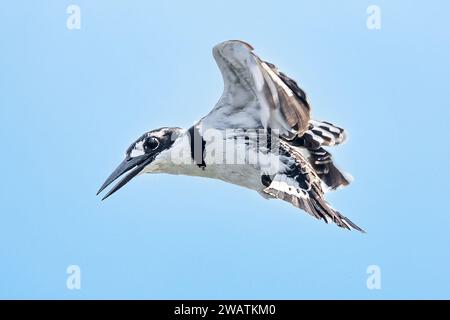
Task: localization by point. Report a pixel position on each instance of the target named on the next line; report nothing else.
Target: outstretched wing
(256, 94)
(300, 185)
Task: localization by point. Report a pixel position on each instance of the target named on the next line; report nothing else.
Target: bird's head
(140, 156)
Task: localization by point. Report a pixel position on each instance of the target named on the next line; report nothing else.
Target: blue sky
(71, 101)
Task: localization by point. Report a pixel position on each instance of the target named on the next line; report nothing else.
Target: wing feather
(256, 94)
(301, 186)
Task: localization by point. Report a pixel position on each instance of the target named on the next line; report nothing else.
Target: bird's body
(234, 168)
(259, 136)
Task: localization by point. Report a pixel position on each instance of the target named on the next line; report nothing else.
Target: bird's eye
(151, 143)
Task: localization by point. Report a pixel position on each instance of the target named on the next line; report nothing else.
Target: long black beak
(131, 165)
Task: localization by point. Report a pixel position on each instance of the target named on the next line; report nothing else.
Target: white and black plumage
(258, 101)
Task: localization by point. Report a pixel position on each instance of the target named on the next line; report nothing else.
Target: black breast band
(197, 147)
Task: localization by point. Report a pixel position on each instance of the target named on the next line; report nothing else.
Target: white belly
(243, 175)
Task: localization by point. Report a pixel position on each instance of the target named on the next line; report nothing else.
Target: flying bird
(260, 135)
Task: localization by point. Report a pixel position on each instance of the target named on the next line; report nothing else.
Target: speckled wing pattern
(301, 186)
(313, 136)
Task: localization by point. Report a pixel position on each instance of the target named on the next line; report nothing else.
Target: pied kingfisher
(260, 135)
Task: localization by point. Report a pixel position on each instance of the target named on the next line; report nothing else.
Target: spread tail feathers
(319, 135)
(323, 133)
(322, 162)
